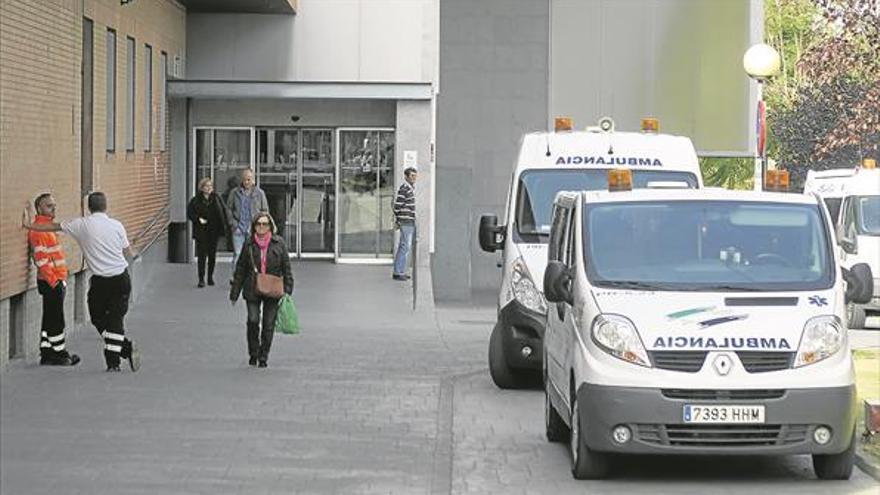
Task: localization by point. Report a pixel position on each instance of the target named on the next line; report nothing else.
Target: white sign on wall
(410, 158)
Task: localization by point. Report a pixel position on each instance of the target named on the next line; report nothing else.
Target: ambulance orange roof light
(776, 180)
(620, 179)
(563, 124)
(869, 163)
(650, 124)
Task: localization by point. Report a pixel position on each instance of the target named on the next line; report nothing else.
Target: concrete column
(414, 134)
(181, 181)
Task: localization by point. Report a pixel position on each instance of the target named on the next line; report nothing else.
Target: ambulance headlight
(823, 336)
(524, 290)
(617, 336)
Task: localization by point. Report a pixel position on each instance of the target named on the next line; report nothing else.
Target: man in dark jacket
(245, 203)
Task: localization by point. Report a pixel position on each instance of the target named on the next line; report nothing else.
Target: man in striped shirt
(405, 214)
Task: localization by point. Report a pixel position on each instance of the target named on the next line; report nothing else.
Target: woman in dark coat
(207, 213)
(266, 252)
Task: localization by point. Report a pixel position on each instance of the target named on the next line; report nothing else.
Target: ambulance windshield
(707, 246)
(538, 188)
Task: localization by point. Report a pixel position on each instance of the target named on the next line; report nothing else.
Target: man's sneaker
(134, 357)
(111, 368)
(67, 360)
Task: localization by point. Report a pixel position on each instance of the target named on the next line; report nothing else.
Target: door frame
(336, 256)
(297, 251)
(223, 255)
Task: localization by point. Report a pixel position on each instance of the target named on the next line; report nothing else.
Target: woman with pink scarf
(265, 252)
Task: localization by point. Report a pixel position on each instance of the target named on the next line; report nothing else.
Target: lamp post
(761, 62)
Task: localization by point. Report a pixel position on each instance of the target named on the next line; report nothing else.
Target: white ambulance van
(548, 163)
(853, 198)
(698, 322)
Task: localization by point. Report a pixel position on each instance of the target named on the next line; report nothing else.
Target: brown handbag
(267, 285)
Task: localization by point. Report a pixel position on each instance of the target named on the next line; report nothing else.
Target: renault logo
(722, 364)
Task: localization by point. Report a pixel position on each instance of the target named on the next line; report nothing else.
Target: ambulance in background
(853, 200)
(549, 162)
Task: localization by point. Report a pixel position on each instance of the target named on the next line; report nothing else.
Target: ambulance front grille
(724, 395)
(685, 361)
(692, 361)
(732, 436)
(761, 362)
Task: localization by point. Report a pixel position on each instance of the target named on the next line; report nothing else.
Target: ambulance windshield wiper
(726, 287)
(632, 284)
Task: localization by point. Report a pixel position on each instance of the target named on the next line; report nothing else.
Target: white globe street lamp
(761, 62)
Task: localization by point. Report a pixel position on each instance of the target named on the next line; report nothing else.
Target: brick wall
(40, 112)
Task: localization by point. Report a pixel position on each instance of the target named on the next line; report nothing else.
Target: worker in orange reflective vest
(51, 284)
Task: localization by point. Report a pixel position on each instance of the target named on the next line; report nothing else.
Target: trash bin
(177, 243)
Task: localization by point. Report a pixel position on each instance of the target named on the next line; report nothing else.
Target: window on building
(163, 77)
(148, 97)
(111, 90)
(129, 94)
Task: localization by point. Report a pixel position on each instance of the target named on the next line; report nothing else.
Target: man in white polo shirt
(105, 246)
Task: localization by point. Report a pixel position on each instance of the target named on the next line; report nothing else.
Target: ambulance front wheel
(835, 466)
(502, 374)
(586, 464)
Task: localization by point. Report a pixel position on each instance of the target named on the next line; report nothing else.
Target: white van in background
(698, 322)
(549, 162)
(853, 200)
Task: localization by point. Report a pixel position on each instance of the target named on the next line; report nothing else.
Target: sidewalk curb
(866, 465)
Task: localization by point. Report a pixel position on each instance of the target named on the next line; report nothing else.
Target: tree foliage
(729, 173)
(824, 108)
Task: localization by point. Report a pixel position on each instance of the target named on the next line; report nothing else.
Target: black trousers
(108, 303)
(259, 342)
(52, 339)
(206, 250)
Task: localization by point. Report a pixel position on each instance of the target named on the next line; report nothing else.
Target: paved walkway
(360, 402)
(372, 398)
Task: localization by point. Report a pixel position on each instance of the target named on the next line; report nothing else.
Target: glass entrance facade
(314, 180)
(366, 193)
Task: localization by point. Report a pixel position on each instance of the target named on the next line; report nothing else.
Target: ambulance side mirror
(859, 284)
(557, 283)
(491, 235)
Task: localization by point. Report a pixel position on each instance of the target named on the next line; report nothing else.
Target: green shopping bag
(287, 320)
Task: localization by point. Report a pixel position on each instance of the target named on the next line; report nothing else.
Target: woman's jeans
(403, 248)
(259, 342)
